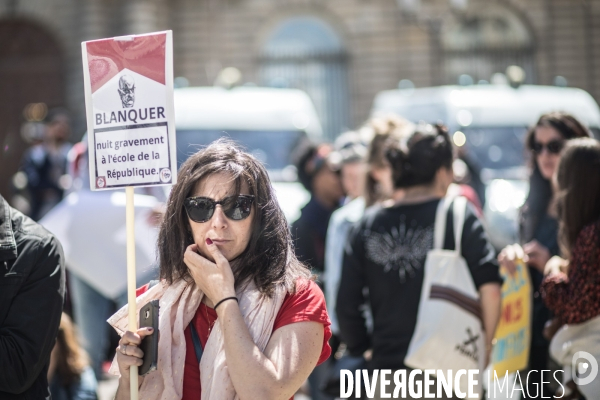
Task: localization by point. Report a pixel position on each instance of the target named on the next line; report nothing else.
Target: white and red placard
(129, 107)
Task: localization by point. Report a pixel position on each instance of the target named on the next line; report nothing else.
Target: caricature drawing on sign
(127, 91)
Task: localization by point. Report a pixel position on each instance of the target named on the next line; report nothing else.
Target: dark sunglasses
(553, 146)
(201, 209)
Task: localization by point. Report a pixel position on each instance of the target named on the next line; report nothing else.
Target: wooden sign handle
(131, 281)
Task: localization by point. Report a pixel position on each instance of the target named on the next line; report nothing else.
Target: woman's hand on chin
(215, 279)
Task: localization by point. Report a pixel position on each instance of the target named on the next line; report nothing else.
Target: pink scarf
(178, 305)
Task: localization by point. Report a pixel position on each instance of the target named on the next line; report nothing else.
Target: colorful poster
(513, 334)
(129, 107)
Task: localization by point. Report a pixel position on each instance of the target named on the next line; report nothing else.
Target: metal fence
(305, 53)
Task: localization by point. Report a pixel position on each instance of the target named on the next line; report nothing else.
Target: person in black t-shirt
(386, 253)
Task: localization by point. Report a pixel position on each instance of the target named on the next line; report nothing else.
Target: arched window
(306, 53)
(31, 71)
(485, 40)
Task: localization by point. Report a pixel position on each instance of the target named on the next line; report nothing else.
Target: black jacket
(32, 289)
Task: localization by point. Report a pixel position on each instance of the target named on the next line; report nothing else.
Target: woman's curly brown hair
(269, 259)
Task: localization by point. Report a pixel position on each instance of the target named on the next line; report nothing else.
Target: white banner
(129, 105)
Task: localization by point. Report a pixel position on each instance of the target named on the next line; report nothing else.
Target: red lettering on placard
(512, 312)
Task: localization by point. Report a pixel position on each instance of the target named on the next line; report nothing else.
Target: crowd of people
(254, 306)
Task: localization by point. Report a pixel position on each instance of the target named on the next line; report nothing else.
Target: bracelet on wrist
(225, 299)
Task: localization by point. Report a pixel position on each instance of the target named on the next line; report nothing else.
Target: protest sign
(511, 351)
(128, 83)
(129, 106)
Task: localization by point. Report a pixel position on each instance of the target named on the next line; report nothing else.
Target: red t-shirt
(307, 304)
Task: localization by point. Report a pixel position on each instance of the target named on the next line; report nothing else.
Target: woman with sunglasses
(239, 314)
(571, 288)
(538, 225)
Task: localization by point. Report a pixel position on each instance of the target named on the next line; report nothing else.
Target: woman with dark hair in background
(69, 371)
(388, 247)
(538, 222)
(231, 284)
(571, 289)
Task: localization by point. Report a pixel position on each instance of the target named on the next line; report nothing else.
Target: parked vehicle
(267, 122)
(489, 122)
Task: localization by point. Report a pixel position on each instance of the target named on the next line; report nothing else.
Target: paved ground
(107, 389)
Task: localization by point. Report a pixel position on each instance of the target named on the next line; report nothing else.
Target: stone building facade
(342, 52)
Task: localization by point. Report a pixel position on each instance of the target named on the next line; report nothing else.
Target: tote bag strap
(459, 210)
(440, 222)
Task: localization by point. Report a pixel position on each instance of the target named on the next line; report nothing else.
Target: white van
(493, 120)
(267, 122)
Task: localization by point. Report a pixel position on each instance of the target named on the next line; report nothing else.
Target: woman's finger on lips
(216, 253)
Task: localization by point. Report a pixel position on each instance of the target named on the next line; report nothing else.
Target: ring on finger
(123, 349)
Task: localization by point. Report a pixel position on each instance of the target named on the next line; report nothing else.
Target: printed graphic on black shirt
(402, 249)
